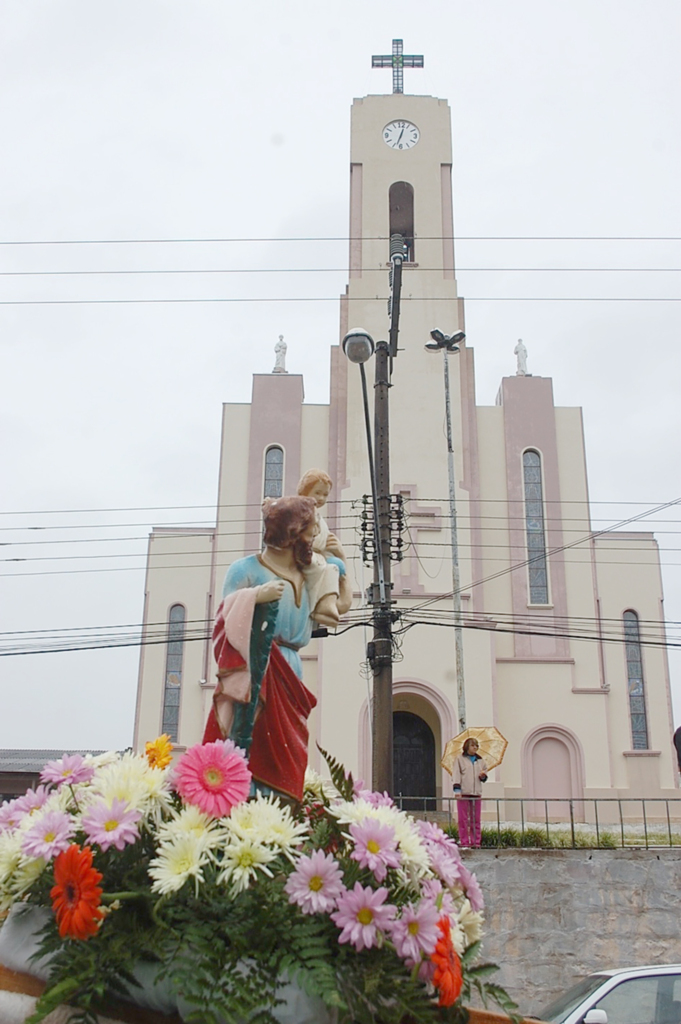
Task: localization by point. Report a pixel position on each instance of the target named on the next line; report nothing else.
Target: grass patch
(536, 838)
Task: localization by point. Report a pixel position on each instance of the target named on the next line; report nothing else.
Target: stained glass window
(173, 680)
(274, 473)
(534, 529)
(635, 685)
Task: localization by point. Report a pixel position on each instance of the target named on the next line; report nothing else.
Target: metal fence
(606, 823)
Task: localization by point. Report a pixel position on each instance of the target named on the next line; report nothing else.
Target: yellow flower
(159, 752)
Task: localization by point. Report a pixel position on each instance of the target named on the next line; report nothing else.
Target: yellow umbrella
(492, 746)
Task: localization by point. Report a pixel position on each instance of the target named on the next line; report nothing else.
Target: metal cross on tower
(397, 60)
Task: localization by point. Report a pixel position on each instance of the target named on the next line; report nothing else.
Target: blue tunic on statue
(293, 624)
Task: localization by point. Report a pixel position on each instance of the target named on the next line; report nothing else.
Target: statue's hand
(270, 592)
(334, 547)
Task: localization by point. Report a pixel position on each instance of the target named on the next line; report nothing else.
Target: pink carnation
(68, 770)
(361, 913)
(316, 883)
(375, 847)
(213, 776)
(113, 824)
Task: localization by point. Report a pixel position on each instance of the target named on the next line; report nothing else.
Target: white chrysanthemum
(241, 860)
(10, 855)
(191, 819)
(99, 760)
(318, 787)
(458, 937)
(61, 799)
(131, 779)
(266, 820)
(471, 921)
(28, 870)
(177, 861)
(349, 811)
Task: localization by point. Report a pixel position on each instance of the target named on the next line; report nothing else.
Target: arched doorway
(552, 767)
(414, 761)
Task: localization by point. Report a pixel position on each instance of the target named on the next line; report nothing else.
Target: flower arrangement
(226, 896)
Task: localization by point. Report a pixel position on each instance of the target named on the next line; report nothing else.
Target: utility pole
(380, 655)
(456, 577)
(359, 346)
(449, 344)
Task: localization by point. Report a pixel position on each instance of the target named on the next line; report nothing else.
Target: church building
(556, 618)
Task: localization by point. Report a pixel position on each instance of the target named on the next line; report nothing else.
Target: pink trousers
(468, 808)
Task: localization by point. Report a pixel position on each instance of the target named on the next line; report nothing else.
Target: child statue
(325, 577)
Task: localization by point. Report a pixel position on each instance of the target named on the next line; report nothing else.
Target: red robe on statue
(278, 752)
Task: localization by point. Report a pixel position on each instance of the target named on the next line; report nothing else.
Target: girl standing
(470, 771)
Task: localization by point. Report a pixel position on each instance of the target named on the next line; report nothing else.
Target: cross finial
(397, 60)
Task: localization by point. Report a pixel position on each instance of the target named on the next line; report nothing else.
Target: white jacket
(466, 775)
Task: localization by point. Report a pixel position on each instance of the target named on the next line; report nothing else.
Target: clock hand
(400, 136)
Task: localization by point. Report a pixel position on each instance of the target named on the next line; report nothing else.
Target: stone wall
(553, 916)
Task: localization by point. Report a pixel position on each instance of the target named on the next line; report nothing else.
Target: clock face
(401, 135)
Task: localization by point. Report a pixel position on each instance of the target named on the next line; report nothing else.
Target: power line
(555, 551)
(258, 504)
(335, 298)
(343, 238)
(339, 270)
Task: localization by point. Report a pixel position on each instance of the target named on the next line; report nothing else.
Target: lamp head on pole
(448, 341)
(358, 345)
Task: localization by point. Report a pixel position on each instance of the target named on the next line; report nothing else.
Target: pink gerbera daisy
(447, 866)
(213, 776)
(375, 847)
(471, 888)
(32, 799)
(111, 824)
(415, 932)
(68, 770)
(10, 815)
(441, 897)
(363, 916)
(316, 883)
(51, 834)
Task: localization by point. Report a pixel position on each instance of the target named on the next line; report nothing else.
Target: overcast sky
(169, 119)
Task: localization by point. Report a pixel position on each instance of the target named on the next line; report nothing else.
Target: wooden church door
(413, 761)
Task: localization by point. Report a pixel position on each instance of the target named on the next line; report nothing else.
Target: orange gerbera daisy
(76, 896)
(448, 979)
(159, 751)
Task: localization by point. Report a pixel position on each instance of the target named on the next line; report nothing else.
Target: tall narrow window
(402, 214)
(274, 473)
(635, 685)
(534, 529)
(173, 681)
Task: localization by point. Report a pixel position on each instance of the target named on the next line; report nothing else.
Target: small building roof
(34, 760)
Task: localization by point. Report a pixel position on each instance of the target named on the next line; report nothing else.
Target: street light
(358, 346)
(450, 343)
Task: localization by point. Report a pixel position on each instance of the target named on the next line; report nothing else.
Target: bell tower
(401, 182)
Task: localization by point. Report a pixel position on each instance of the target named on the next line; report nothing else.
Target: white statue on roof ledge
(280, 354)
(521, 353)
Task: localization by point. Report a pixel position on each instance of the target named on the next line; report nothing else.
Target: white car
(635, 995)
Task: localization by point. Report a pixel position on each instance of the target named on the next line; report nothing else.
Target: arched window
(274, 473)
(401, 197)
(173, 679)
(534, 528)
(635, 684)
